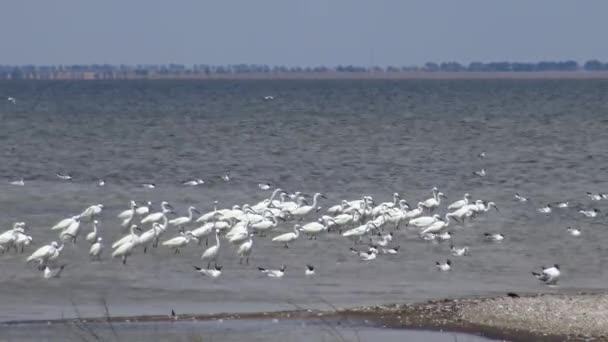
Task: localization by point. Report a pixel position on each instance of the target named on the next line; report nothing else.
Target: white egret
(288, 237)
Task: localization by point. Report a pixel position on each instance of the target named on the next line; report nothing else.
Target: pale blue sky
(306, 33)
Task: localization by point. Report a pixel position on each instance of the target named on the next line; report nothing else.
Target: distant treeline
(107, 71)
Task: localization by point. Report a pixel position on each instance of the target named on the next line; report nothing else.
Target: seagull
(226, 178)
(573, 231)
(366, 256)
(310, 270)
(481, 173)
(391, 251)
(101, 183)
(595, 197)
(521, 198)
(444, 266)
(444, 236)
(548, 275)
(482, 155)
(268, 98)
(52, 272)
(194, 182)
(589, 213)
(545, 210)
(149, 185)
(273, 273)
(494, 237)
(19, 182)
(562, 204)
(459, 251)
(264, 186)
(64, 177)
(12, 100)
(213, 273)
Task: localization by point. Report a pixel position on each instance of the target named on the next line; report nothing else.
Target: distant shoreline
(406, 75)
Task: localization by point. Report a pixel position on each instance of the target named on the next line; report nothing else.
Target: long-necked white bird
(155, 217)
(148, 236)
(210, 216)
(63, 224)
(313, 229)
(184, 220)
(434, 201)
(96, 249)
(244, 249)
(424, 221)
(211, 273)
(54, 272)
(461, 203)
(22, 240)
(338, 208)
(179, 241)
(127, 238)
(288, 237)
(91, 212)
(72, 231)
(273, 273)
(359, 231)
(414, 212)
(269, 222)
(377, 210)
(436, 226)
(548, 275)
(301, 211)
(211, 253)
(125, 250)
(92, 236)
(45, 253)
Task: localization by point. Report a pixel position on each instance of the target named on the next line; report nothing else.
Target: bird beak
(169, 206)
(196, 211)
(323, 196)
(495, 207)
(137, 228)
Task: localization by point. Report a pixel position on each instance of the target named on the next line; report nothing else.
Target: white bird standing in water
(155, 217)
(45, 253)
(184, 220)
(211, 253)
(91, 212)
(179, 241)
(288, 237)
(96, 249)
(244, 250)
(304, 210)
(65, 223)
(459, 204)
(92, 236)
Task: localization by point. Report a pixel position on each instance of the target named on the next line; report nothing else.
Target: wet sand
(576, 316)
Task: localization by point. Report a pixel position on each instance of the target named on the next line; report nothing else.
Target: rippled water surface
(545, 139)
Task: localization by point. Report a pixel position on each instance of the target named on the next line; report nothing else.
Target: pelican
(306, 209)
(96, 249)
(45, 253)
(444, 266)
(273, 273)
(310, 270)
(212, 273)
(211, 253)
(288, 237)
(91, 212)
(244, 250)
(92, 236)
(461, 203)
(179, 241)
(184, 220)
(52, 272)
(19, 182)
(548, 275)
(154, 217)
(131, 237)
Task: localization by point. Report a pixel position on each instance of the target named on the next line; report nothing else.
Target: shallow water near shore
(225, 330)
(544, 139)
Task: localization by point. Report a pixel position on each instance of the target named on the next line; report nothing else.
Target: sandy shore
(580, 316)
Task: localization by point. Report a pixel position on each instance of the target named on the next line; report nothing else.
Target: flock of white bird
(363, 221)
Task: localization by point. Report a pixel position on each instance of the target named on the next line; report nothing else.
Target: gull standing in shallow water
(548, 275)
(310, 270)
(444, 266)
(273, 273)
(521, 198)
(212, 273)
(573, 231)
